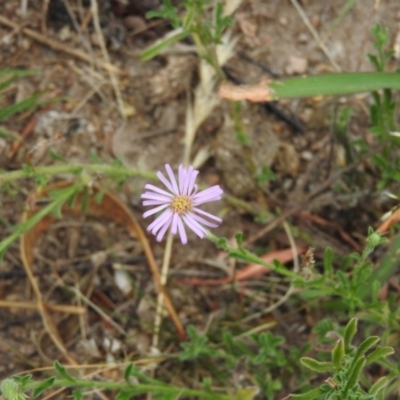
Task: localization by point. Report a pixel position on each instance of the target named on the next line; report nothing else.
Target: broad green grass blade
(333, 84)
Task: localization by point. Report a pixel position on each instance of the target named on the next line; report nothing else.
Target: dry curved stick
(27, 245)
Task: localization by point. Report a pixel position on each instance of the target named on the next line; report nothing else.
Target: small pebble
(307, 155)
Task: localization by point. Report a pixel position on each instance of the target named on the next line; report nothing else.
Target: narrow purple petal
(182, 232)
(154, 210)
(155, 226)
(195, 226)
(163, 230)
(172, 178)
(187, 180)
(155, 196)
(153, 202)
(198, 232)
(191, 182)
(158, 190)
(202, 220)
(211, 194)
(206, 214)
(174, 227)
(182, 177)
(164, 180)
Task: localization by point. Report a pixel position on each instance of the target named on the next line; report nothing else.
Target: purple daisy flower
(179, 204)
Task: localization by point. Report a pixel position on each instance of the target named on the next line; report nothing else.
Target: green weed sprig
(383, 112)
(346, 369)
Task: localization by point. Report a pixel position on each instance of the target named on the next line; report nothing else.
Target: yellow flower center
(181, 204)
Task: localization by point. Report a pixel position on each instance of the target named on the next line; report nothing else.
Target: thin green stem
(138, 388)
(245, 255)
(51, 170)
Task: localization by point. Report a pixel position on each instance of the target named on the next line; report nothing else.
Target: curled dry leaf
(256, 93)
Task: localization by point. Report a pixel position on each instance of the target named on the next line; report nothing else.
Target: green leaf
(333, 84)
(77, 394)
(328, 257)
(318, 366)
(157, 47)
(129, 371)
(343, 280)
(62, 371)
(23, 380)
(366, 345)
(239, 239)
(377, 354)
(349, 332)
(246, 393)
(379, 385)
(125, 395)
(312, 394)
(338, 354)
(196, 347)
(30, 102)
(355, 372)
(48, 383)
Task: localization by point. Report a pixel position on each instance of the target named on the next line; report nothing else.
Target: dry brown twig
(57, 46)
(315, 34)
(124, 109)
(64, 308)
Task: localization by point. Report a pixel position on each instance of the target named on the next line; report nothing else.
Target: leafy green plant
(136, 383)
(349, 288)
(262, 356)
(346, 368)
(196, 346)
(383, 112)
(190, 22)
